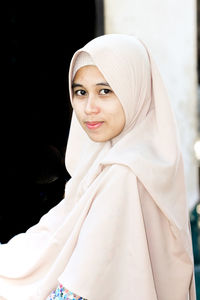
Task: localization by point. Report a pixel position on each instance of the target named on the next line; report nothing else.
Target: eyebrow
(103, 83)
(74, 84)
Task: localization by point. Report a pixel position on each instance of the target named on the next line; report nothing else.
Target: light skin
(96, 106)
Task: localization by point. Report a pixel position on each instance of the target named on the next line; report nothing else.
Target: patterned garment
(62, 293)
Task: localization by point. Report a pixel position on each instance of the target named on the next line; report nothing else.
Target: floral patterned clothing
(61, 293)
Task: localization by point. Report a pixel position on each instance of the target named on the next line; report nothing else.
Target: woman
(121, 231)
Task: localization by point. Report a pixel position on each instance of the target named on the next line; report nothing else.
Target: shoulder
(117, 175)
(118, 169)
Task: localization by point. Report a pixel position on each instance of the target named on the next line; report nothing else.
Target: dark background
(40, 40)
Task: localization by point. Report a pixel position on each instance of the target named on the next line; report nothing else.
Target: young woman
(121, 232)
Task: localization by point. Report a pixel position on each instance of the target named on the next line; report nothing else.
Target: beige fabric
(122, 230)
(82, 60)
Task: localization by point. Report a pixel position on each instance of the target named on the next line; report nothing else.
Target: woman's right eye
(80, 92)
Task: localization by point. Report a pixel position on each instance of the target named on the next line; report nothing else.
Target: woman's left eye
(104, 91)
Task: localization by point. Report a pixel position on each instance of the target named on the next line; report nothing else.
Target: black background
(40, 40)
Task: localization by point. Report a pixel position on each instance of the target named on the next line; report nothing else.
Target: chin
(98, 139)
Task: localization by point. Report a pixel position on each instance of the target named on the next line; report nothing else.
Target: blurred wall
(169, 29)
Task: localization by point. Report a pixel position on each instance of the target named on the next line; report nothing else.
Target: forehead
(88, 74)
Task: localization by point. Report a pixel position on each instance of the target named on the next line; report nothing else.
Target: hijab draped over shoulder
(122, 229)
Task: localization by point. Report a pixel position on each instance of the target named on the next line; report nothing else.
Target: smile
(93, 125)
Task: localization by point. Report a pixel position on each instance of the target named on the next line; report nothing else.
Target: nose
(91, 106)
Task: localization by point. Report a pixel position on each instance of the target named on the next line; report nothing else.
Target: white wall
(169, 29)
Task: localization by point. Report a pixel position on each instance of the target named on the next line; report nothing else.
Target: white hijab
(147, 150)
(149, 140)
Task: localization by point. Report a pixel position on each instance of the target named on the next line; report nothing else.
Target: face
(96, 106)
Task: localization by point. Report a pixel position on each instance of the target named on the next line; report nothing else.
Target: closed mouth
(94, 124)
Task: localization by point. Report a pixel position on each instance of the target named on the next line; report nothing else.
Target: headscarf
(74, 243)
(150, 138)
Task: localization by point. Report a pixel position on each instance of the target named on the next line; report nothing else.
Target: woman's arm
(62, 293)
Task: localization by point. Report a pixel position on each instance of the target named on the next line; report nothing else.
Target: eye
(105, 92)
(80, 92)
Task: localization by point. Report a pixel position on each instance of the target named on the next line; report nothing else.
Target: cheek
(119, 116)
(121, 123)
(78, 113)
(77, 107)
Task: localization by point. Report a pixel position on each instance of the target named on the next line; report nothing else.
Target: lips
(93, 125)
